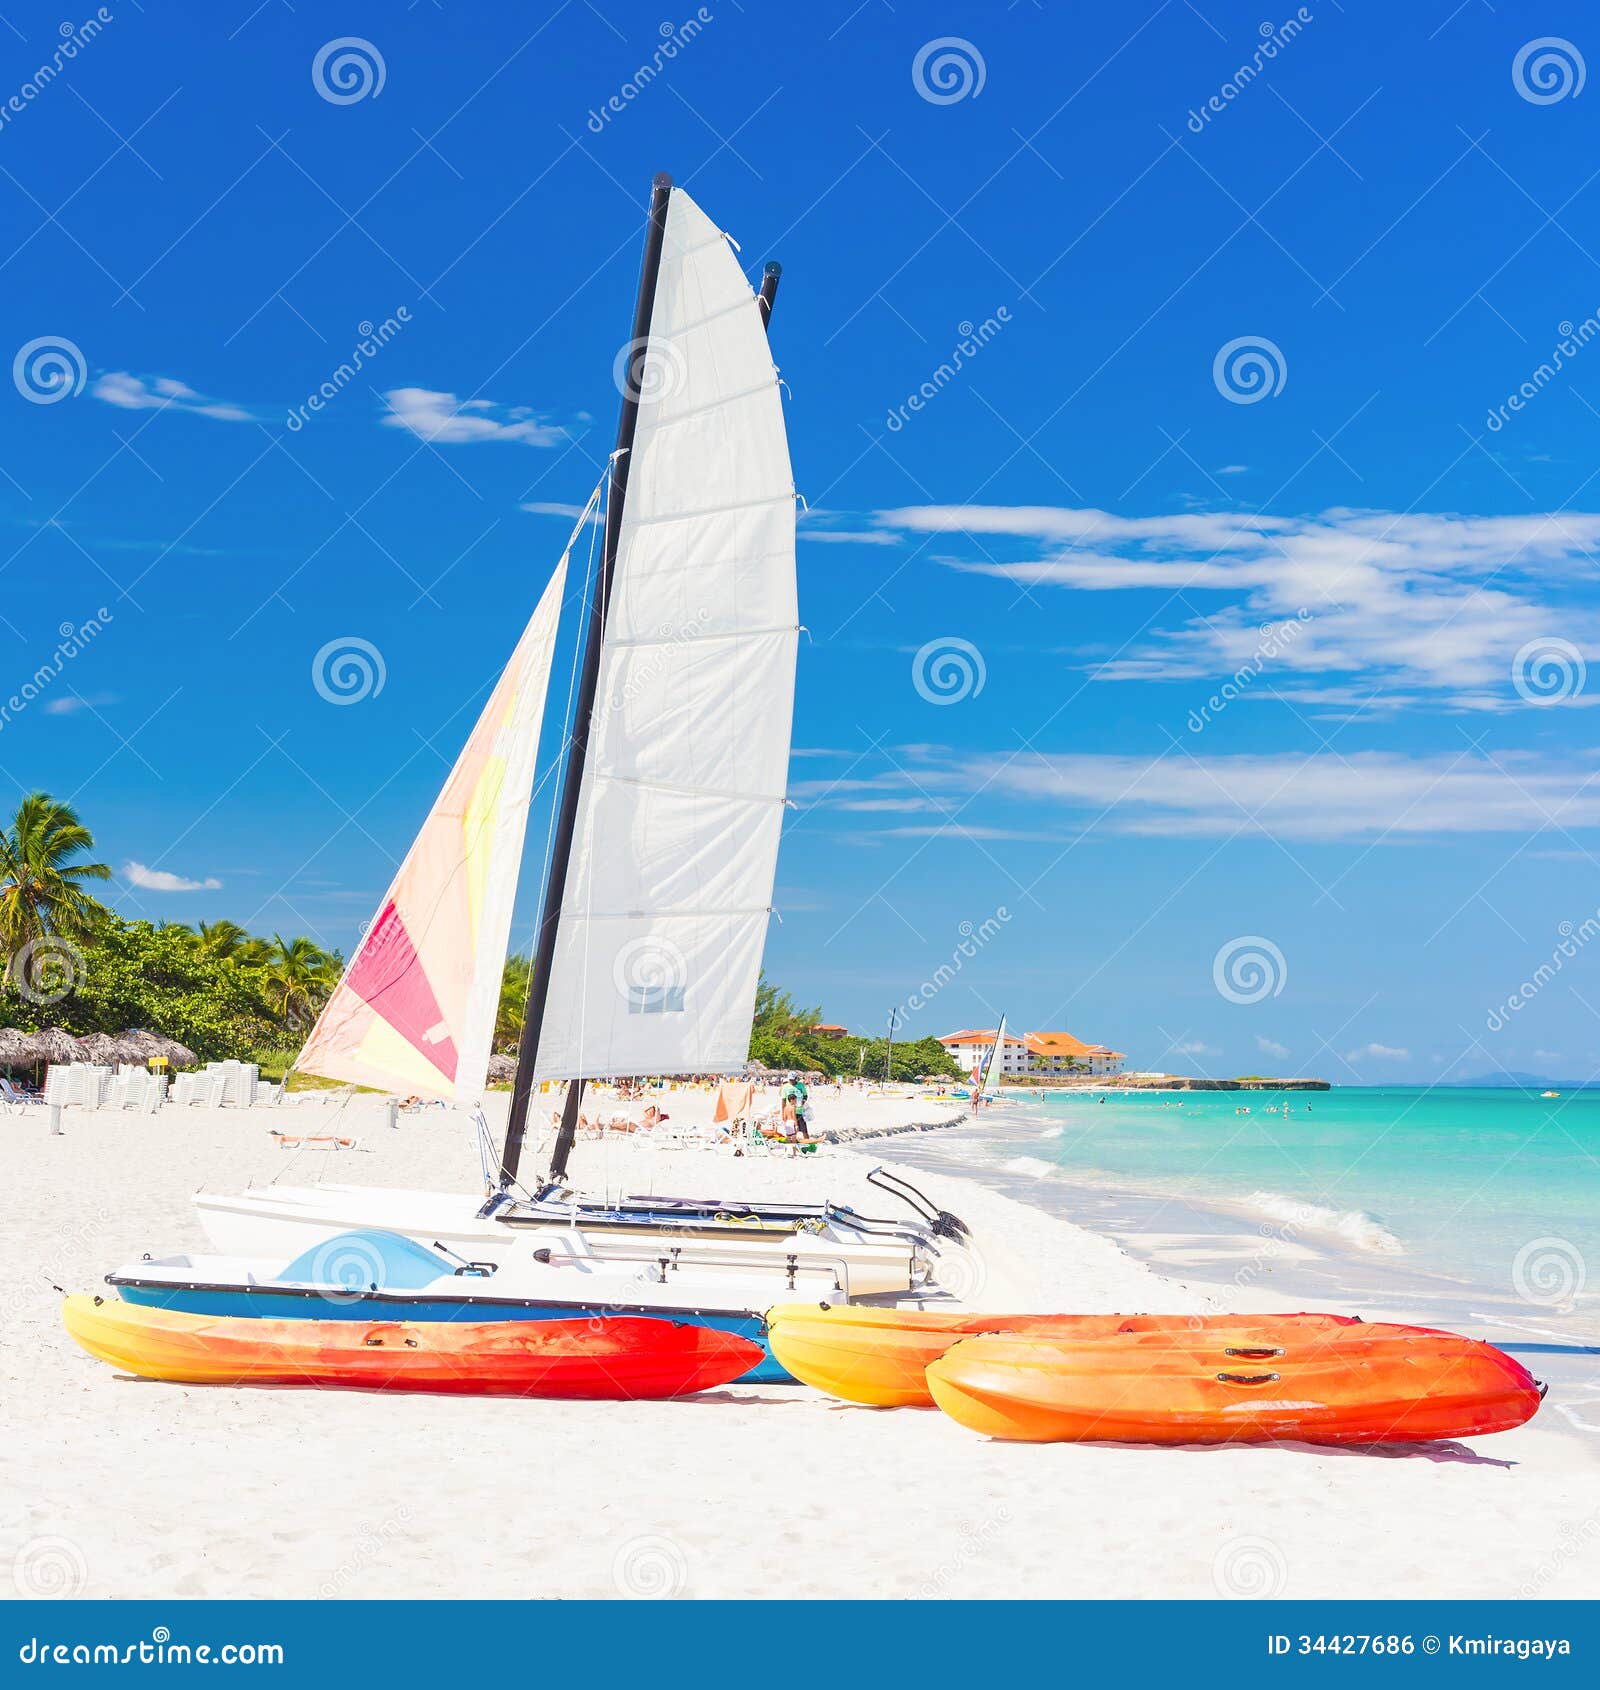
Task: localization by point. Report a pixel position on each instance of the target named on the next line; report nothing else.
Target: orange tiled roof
(977, 1036)
(1064, 1044)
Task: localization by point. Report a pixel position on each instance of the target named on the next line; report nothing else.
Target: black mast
(769, 290)
(578, 748)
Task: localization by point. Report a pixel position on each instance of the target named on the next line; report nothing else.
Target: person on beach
(796, 1095)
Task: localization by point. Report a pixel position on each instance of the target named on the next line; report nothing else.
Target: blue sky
(1233, 411)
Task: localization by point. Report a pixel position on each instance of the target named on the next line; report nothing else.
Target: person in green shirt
(797, 1094)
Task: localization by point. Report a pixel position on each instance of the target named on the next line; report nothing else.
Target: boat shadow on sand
(1445, 1450)
(723, 1398)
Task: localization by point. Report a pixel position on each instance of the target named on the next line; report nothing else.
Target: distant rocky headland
(1180, 1082)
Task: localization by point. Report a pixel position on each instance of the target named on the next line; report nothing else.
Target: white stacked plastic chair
(81, 1083)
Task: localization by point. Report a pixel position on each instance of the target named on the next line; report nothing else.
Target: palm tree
(42, 895)
(300, 974)
(222, 941)
(514, 985)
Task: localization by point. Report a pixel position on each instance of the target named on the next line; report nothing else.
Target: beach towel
(733, 1101)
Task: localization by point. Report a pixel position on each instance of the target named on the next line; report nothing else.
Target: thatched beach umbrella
(502, 1067)
(15, 1045)
(102, 1048)
(56, 1044)
(138, 1044)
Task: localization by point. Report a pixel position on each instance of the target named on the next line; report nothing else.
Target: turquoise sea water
(1478, 1209)
(1458, 1180)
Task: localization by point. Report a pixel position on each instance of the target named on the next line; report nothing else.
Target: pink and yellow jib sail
(416, 1008)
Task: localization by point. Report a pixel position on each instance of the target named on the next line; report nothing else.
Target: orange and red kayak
(880, 1356)
(1355, 1384)
(619, 1357)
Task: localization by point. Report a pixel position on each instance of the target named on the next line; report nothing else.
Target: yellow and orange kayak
(1339, 1385)
(620, 1357)
(880, 1356)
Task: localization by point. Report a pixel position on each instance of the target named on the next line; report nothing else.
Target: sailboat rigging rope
(593, 509)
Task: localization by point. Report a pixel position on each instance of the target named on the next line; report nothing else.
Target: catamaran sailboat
(664, 851)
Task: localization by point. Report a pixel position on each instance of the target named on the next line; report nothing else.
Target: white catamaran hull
(282, 1221)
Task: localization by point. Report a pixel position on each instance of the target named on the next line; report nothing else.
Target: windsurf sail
(415, 1010)
(664, 908)
(985, 1080)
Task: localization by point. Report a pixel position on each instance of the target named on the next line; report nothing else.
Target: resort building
(1060, 1053)
(1034, 1054)
(972, 1046)
(830, 1030)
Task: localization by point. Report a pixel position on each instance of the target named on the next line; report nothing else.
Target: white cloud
(1196, 1047)
(1368, 796)
(442, 418)
(850, 536)
(1548, 1055)
(1234, 469)
(1437, 606)
(1324, 796)
(570, 512)
(1378, 1053)
(160, 880)
(161, 393)
(1270, 1047)
(69, 704)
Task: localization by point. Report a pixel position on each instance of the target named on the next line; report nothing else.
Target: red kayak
(624, 1357)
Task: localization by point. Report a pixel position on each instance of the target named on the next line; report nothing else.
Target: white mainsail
(416, 1008)
(665, 907)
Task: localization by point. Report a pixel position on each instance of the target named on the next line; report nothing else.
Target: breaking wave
(1348, 1226)
(1031, 1166)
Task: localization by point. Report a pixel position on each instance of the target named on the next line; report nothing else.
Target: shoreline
(165, 1491)
(1291, 1252)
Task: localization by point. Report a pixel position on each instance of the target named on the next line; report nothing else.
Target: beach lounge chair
(15, 1099)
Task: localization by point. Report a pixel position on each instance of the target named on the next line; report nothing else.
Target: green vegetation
(781, 1037)
(44, 906)
(70, 962)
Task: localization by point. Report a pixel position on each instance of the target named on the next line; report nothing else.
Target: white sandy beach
(115, 1487)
